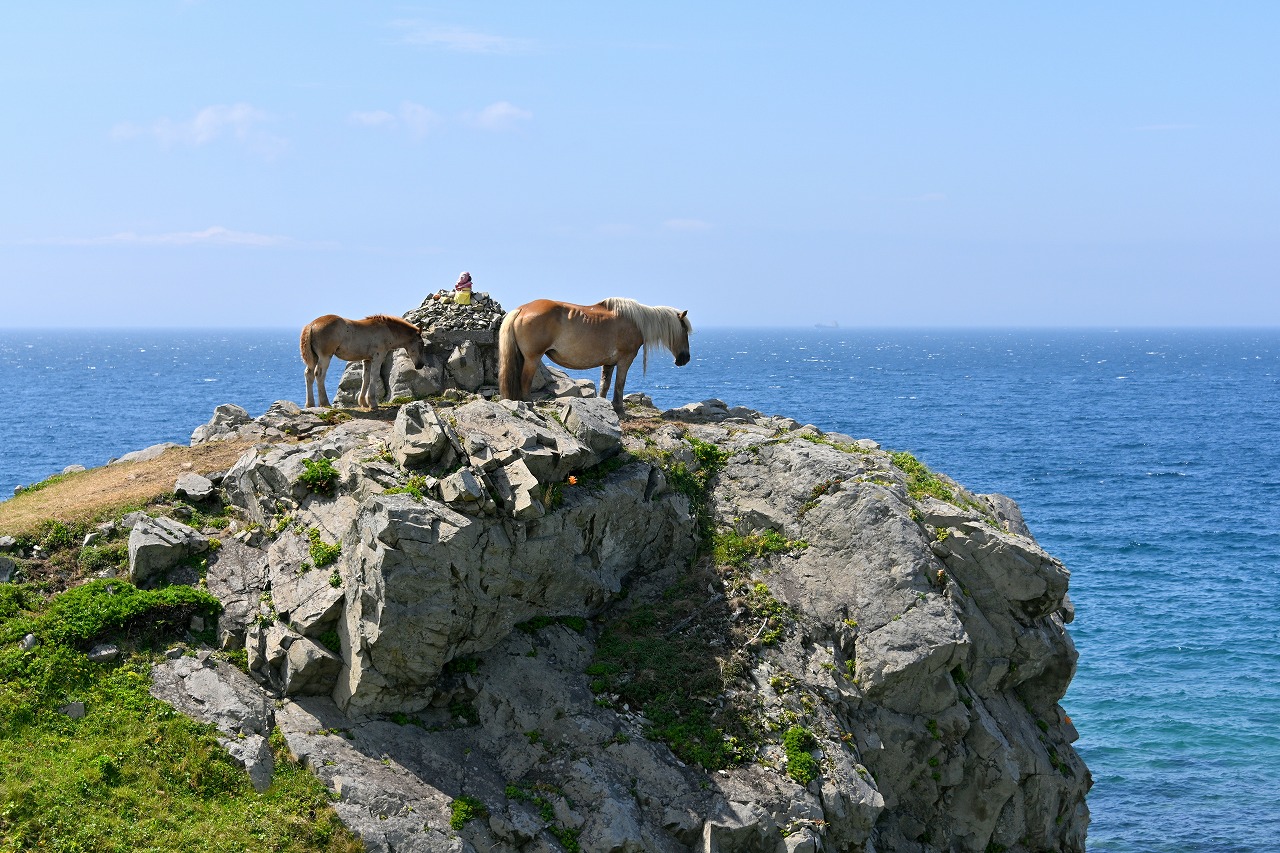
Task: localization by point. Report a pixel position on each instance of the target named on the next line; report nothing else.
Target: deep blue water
(1148, 461)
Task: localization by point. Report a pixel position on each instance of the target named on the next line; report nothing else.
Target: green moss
(674, 681)
(417, 486)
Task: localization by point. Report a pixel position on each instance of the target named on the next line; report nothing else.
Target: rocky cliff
(532, 627)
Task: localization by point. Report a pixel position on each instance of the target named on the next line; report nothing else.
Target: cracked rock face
(919, 639)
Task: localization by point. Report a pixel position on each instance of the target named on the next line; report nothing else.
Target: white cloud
(687, 225)
(456, 39)
(213, 236)
(415, 118)
(418, 119)
(240, 122)
(375, 118)
(498, 116)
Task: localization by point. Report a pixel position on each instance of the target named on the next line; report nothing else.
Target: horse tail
(309, 356)
(510, 359)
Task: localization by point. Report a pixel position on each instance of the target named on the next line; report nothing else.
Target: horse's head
(417, 350)
(682, 352)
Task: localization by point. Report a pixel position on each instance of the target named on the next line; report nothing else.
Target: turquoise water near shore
(1147, 460)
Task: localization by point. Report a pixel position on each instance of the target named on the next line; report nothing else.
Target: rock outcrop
(425, 597)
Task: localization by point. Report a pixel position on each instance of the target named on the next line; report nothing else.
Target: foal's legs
(318, 373)
(366, 376)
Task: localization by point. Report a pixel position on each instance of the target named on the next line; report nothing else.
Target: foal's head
(416, 349)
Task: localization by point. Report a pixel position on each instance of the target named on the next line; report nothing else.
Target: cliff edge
(531, 627)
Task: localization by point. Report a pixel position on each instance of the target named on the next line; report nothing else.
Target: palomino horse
(369, 340)
(603, 335)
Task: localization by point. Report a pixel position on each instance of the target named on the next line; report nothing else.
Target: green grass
(416, 485)
(674, 680)
(920, 480)
(133, 774)
(730, 548)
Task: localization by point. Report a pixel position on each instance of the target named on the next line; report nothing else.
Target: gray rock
(73, 469)
(461, 487)
(7, 543)
(146, 454)
(466, 366)
(222, 695)
(74, 710)
(193, 487)
(418, 438)
(157, 544)
(7, 567)
(28, 642)
(924, 641)
(309, 669)
(225, 424)
(104, 653)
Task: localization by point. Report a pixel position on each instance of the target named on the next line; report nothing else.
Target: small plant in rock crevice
(322, 553)
(797, 743)
(465, 809)
(319, 476)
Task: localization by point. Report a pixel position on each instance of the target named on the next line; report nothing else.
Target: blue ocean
(1148, 461)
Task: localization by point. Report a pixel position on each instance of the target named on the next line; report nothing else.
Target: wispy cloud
(213, 236)
(421, 121)
(241, 123)
(457, 39)
(686, 225)
(498, 116)
(418, 120)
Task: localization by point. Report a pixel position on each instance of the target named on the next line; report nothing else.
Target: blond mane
(658, 324)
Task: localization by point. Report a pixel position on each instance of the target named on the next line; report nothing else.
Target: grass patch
(319, 476)
(417, 485)
(920, 480)
(673, 679)
(730, 548)
(538, 795)
(88, 496)
(133, 773)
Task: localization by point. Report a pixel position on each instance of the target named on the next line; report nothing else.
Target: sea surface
(1148, 461)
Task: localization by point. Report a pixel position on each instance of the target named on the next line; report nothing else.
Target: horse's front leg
(606, 376)
(624, 364)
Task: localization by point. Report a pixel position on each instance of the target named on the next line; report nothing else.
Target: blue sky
(928, 164)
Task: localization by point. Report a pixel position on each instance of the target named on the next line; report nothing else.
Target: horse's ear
(684, 314)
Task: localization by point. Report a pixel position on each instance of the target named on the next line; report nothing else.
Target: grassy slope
(132, 774)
